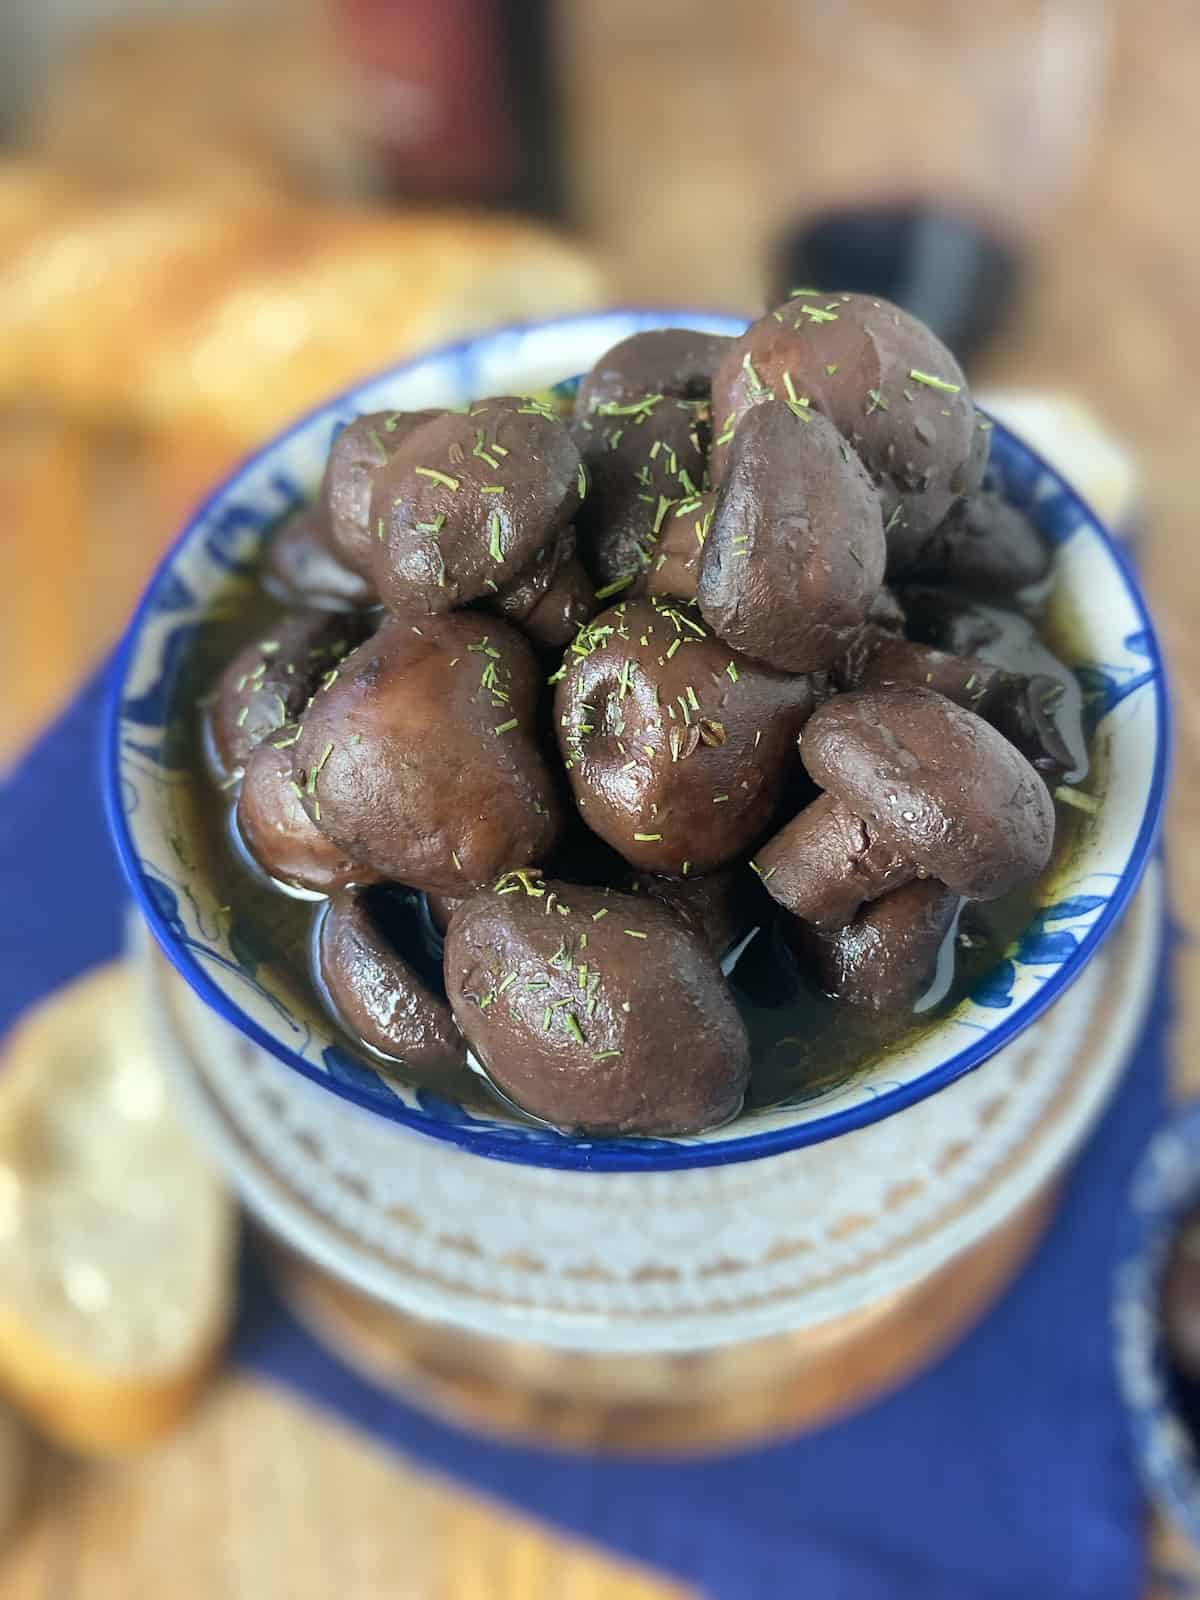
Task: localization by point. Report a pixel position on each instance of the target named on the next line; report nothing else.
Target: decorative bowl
(1116, 659)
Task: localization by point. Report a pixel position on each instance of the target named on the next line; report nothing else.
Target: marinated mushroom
(419, 756)
(886, 957)
(888, 385)
(300, 570)
(270, 679)
(597, 1011)
(1020, 705)
(378, 996)
(676, 748)
(468, 502)
(355, 456)
(279, 833)
(915, 786)
(676, 362)
(639, 462)
(794, 556)
(985, 546)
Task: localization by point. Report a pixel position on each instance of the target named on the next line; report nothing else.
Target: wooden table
(1114, 316)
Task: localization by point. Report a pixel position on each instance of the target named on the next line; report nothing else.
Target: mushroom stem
(824, 865)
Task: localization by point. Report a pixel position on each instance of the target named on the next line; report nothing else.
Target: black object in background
(940, 265)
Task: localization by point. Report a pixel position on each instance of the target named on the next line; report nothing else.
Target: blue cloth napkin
(1001, 1473)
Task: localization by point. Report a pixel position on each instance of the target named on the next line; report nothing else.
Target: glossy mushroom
(676, 748)
(888, 385)
(420, 756)
(269, 680)
(795, 554)
(597, 1011)
(279, 833)
(469, 501)
(986, 546)
(915, 786)
(360, 449)
(377, 994)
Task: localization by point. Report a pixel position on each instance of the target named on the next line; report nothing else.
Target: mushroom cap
(609, 1016)
(670, 361)
(884, 960)
(938, 782)
(468, 501)
(852, 357)
(356, 454)
(421, 759)
(677, 750)
(794, 555)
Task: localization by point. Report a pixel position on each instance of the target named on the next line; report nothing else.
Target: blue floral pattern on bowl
(1118, 666)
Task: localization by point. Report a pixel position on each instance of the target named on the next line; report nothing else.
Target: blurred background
(213, 214)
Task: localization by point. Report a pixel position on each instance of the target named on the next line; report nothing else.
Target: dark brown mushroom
(794, 556)
(885, 959)
(378, 996)
(270, 679)
(596, 1011)
(888, 385)
(420, 757)
(468, 502)
(677, 362)
(299, 569)
(915, 786)
(641, 459)
(677, 749)
(279, 833)
(1020, 705)
(986, 546)
(355, 456)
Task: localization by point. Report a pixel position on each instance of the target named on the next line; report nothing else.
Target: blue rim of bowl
(627, 1155)
(1169, 1467)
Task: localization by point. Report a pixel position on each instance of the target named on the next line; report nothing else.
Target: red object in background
(433, 92)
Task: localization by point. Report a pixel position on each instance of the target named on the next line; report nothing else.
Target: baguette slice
(116, 1236)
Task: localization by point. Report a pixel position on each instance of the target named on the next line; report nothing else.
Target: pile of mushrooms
(577, 678)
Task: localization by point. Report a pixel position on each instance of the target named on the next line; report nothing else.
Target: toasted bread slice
(116, 1236)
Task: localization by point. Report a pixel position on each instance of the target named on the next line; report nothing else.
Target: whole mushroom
(419, 757)
(597, 1011)
(888, 385)
(915, 786)
(269, 680)
(469, 501)
(676, 362)
(360, 449)
(677, 749)
(377, 994)
(985, 546)
(794, 556)
(279, 833)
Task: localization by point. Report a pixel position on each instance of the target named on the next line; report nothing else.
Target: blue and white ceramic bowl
(1096, 601)
(1166, 1187)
